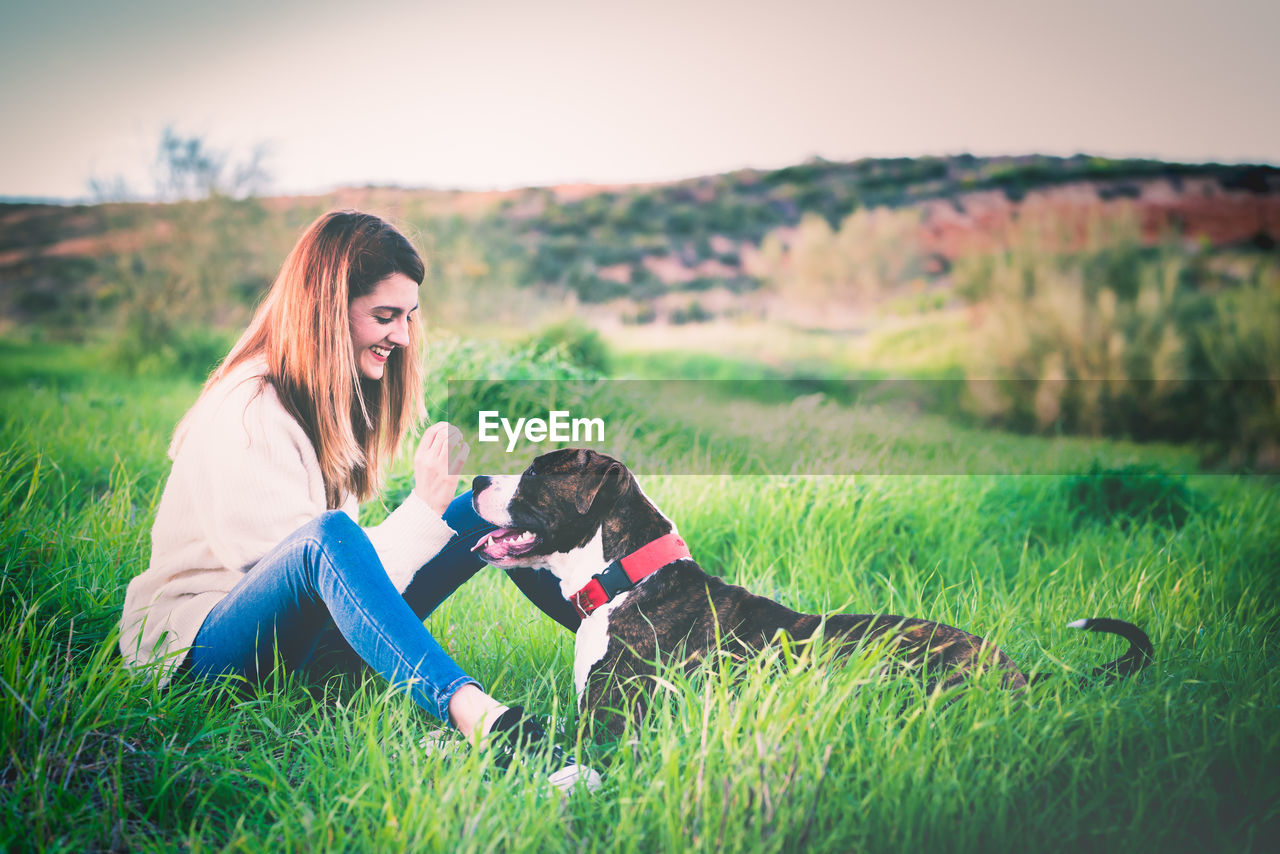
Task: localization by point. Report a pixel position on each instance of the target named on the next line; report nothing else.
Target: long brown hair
(302, 331)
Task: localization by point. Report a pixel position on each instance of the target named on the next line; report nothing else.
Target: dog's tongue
(496, 544)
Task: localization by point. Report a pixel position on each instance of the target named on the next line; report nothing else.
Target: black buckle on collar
(614, 579)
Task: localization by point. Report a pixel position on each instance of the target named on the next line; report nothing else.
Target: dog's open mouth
(506, 543)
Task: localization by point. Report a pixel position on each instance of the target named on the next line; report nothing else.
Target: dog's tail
(1140, 652)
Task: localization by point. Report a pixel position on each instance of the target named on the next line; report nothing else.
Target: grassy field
(793, 753)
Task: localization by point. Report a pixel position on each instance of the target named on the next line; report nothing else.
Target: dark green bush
(644, 313)
(694, 312)
(1132, 494)
(158, 350)
(574, 341)
(595, 289)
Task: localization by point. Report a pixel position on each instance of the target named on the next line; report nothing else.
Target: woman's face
(380, 322)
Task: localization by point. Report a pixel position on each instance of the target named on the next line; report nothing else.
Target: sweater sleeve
(410, 536)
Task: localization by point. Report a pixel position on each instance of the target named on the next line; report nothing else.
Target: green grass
(791, 753)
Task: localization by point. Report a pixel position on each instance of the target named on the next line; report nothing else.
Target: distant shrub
(1120, 339)
(467, 375)
(917, 303)
(871, 251)
(554, 257)
(197, 351)
(573, 341)
(450, 358)
(1132, 494)
(606, 252)
(682, 221)
(1241, 343)
(592, 288)
(803, 173)
(1122, 190)
(701, 283)
(191, 352)
(743, 217)
(694, 312)
(644, 313)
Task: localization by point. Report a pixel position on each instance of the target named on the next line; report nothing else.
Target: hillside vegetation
(1108, 297)
(62, 267)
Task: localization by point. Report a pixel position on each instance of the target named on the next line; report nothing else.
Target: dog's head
(557, 506)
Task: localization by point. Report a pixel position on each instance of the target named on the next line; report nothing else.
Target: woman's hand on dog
(437, 464)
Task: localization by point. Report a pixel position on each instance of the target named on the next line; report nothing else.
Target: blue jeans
(321, 604)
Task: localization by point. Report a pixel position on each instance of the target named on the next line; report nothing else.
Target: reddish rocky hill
(57, 263)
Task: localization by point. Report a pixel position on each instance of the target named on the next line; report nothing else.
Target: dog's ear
(607, 488)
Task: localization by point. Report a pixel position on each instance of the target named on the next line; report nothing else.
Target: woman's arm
(415, 532)
(410, 536)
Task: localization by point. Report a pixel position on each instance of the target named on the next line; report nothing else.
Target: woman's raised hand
(437, 464)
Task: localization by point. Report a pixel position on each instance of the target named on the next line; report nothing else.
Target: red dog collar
(627, 572)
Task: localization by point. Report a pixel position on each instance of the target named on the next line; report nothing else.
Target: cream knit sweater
(244, 477)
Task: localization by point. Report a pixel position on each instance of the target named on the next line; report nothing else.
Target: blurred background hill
(735, 230)
(1132, 298)
(636, 246)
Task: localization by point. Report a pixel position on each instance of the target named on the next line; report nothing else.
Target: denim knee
(334, 532)
(336, 523)
(329, 526)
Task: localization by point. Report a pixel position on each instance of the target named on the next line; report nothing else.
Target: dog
(644, 601)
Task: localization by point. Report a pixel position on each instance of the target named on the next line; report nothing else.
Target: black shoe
(515, 736)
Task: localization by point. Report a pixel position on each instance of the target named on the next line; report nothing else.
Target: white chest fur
(591, 642)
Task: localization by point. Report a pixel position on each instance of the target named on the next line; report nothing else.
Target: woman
(255, 555)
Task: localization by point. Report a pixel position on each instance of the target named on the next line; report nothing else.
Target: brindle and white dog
(644, 601)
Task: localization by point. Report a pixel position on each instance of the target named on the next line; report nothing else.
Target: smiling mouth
(381, 352)
(506, 543)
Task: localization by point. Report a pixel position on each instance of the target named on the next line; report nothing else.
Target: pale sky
(490, 93)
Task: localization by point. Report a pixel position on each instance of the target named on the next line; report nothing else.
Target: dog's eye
(529, 472)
